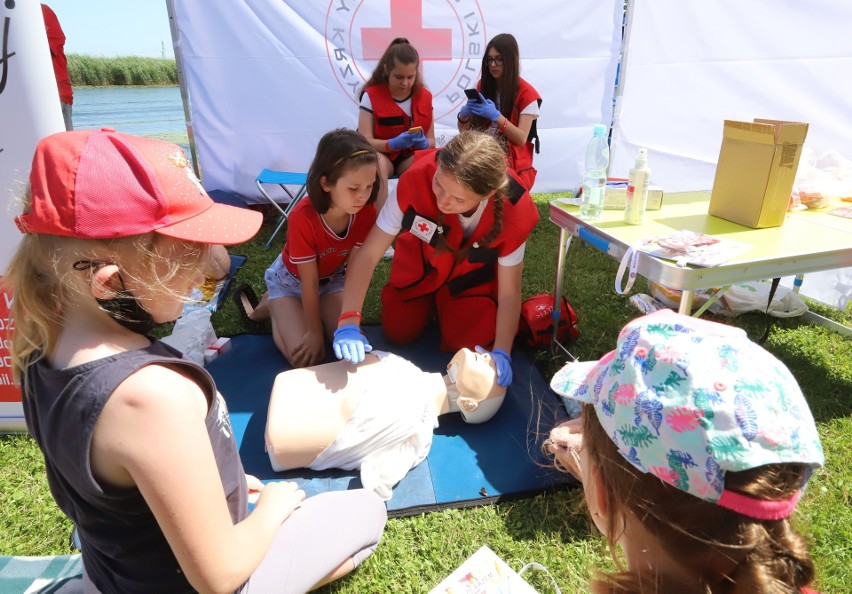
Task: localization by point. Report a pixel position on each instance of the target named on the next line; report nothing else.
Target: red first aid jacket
(389, 120)
(419, 269)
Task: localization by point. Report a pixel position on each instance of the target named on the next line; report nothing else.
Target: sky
(115, 27)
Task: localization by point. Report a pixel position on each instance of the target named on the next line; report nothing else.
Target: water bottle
(594, 179)
(637, 189)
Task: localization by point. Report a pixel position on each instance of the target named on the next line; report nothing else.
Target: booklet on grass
(483, 573)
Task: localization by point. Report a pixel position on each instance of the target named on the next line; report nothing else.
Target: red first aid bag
(535, 327)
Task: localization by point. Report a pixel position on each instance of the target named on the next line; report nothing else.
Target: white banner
(267, 78)
(29, 110)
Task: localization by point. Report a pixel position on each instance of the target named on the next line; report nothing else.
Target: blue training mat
(467, 465)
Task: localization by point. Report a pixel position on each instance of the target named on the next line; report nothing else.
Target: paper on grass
(483, 573)
(692, 248)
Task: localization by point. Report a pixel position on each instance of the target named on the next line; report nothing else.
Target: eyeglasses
(498, 60)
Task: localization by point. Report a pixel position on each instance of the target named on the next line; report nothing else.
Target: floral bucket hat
(689, 400)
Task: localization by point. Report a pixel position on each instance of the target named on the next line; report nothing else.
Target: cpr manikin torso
(377, 416)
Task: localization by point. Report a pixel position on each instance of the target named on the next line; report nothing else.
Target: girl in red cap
(137, 441)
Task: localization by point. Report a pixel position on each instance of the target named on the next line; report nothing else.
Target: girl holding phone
(506, 106)
(394, 104)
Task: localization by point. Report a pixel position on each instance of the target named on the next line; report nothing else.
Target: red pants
(465, 320)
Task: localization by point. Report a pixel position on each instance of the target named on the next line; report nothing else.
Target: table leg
(564, 242)
(685, 306)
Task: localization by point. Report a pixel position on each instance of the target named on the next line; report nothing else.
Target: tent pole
(184, 93)
(622, 75)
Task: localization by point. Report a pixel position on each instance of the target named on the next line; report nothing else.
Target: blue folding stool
(283, 179)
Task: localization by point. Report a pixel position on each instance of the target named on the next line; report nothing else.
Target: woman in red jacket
(461, 221)
(396, 111)
(508, 107)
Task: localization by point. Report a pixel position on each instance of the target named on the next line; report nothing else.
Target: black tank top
(124, 549)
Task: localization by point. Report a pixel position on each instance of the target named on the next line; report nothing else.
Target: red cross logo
(406, 18)
(423, 227)
(450, 39)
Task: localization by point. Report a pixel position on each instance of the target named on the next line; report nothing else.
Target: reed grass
(96, 71)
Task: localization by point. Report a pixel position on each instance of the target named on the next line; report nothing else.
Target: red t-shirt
(309, 238)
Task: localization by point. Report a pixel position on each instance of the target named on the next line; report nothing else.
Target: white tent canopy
(267, 78)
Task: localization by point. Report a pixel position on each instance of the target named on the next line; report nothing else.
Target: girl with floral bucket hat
(693, 447)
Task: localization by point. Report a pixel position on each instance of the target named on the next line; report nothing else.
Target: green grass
(86, 70)
(551, 529)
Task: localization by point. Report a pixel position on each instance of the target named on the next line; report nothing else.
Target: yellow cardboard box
(756, 169)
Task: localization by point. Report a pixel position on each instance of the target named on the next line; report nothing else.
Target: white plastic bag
(753, 296)
(192, 334)
(820, 176)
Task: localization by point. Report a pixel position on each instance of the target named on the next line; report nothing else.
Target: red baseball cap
(102, 184)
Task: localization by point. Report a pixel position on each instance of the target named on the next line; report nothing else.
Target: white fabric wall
(29, 110)
(691, 64)
(267, 78)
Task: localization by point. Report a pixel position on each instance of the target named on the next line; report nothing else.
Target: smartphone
(473, 95)
(415, 130)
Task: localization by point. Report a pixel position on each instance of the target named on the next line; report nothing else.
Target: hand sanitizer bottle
(637, 189)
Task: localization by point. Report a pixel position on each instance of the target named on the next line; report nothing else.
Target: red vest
(389, 120)
(520, 157)
(418, 269)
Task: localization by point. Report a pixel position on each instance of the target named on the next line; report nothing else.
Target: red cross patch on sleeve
(424, 228)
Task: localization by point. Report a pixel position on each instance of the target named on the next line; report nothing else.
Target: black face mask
(124, 308)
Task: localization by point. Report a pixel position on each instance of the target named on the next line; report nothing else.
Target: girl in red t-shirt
(305, 282)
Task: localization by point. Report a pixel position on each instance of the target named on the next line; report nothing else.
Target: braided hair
(476, 160)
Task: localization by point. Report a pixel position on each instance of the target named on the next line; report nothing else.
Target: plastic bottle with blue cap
(594, 179)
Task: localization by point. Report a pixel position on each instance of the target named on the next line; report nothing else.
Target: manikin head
(474, 390)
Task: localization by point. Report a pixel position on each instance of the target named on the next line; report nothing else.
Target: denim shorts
(280, 282)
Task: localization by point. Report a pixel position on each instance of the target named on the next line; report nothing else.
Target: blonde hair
(44, 283)
(476, 160)
(725, 551)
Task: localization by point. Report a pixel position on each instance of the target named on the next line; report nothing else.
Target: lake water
(155, 112)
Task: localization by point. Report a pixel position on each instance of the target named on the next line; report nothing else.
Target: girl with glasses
(508, 106)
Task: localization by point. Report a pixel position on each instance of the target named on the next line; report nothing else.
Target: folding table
(808, 241)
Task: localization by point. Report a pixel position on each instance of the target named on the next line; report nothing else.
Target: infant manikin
(377, 416)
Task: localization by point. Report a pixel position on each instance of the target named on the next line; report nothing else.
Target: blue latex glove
(350, 343)
(420, 141)
(401, 142)
(466, 110)
(486, 109)
(504, 364)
